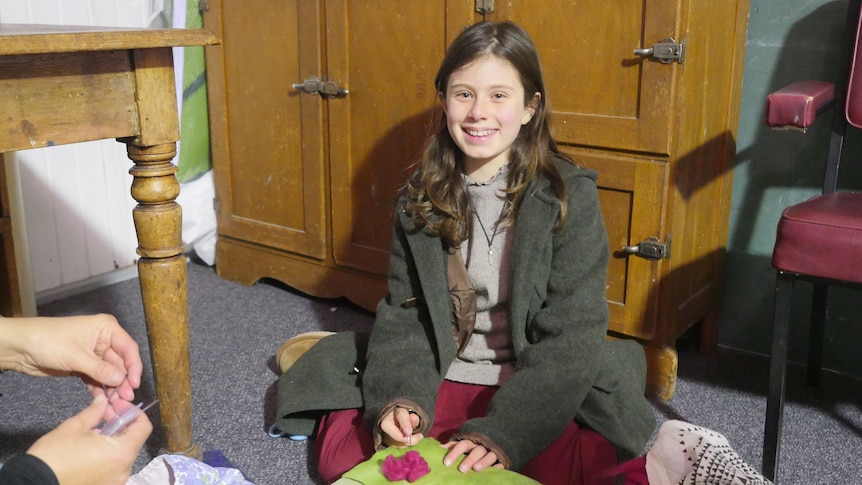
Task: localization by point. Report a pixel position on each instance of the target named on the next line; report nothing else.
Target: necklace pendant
(490, 256)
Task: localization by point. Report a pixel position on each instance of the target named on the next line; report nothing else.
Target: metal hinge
(484, 6)
(666, 51)
(203, 5)
(217, 205)
(650, 248)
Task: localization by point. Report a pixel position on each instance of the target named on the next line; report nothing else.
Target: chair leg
(777, 375)
(817, 331)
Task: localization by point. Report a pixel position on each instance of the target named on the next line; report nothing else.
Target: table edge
(18, 39)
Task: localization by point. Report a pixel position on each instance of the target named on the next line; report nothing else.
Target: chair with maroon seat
(819, 240)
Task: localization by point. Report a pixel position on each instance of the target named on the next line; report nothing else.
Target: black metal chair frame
(785, 281)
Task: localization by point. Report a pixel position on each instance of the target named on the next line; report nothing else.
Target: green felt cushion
(369, 472)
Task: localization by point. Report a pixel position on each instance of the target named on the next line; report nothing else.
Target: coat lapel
(430, 259)
(536, 219)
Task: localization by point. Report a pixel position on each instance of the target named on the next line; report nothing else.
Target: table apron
(59, 98)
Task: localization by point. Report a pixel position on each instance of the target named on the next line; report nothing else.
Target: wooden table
(61, 84)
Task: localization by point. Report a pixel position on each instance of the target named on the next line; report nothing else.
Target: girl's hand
(478, 457)
(80, 455)
(397, 427)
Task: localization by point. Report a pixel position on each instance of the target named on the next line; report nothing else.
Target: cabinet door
(268, 153)
(631, 192)
(601, 93)
(386, 53)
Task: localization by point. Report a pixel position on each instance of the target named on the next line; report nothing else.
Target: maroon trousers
(579, 456)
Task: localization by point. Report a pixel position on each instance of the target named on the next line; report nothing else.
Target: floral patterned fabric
(182, 470)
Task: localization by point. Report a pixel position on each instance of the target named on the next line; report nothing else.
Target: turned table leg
(164, 289)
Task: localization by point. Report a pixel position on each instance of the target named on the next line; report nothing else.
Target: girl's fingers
(393, 433)
(456, 449)
(402, 419)
(477, 456)
(486, 458)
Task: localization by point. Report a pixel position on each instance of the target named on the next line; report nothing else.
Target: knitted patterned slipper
(294, 348)
(673, 455)
(719, 464)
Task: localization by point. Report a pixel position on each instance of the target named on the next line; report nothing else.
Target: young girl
(492, 336)
(530, 383)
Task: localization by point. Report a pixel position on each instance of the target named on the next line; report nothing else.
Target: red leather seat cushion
(822, 237)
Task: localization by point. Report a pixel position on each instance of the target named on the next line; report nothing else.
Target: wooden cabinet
(305, 183)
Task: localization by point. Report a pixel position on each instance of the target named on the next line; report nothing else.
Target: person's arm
(402, 371)
(26, 469)
(94, 347)
(102, 353)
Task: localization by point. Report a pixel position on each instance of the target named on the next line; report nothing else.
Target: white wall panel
(76, 200)
(72, 221)
(15, 11)
(39, 216)
(75, 12)
(118, 227)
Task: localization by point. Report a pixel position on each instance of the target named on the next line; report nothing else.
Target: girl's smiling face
(485, 108)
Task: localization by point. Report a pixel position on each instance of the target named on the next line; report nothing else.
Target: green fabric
(369, 472)
(194, 120)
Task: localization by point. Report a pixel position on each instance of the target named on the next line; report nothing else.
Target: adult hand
(79, 455)
(92, 346)
(478, 457)
(397, 427)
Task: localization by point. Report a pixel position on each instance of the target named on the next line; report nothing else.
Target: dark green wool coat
(566, 369)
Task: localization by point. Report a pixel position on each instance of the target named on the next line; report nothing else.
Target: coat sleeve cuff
(480, 439)
(412, 407)
(27, 469)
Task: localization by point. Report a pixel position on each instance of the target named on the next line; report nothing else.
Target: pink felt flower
(410, 467)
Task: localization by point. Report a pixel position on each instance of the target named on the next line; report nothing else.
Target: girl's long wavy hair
(436, 195)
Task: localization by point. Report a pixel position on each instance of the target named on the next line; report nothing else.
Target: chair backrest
(848, 91)
(854, 83)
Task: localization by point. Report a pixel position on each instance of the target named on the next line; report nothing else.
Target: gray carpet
(236, 330)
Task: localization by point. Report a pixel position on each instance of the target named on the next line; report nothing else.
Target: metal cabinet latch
(666, 51)
(484, 6)
(314, 86)
(650, 248)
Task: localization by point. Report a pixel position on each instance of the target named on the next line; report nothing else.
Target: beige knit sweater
(489, 357)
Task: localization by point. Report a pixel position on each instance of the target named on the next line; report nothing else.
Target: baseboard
(89, 284)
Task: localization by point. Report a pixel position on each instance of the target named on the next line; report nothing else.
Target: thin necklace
(489, 239)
